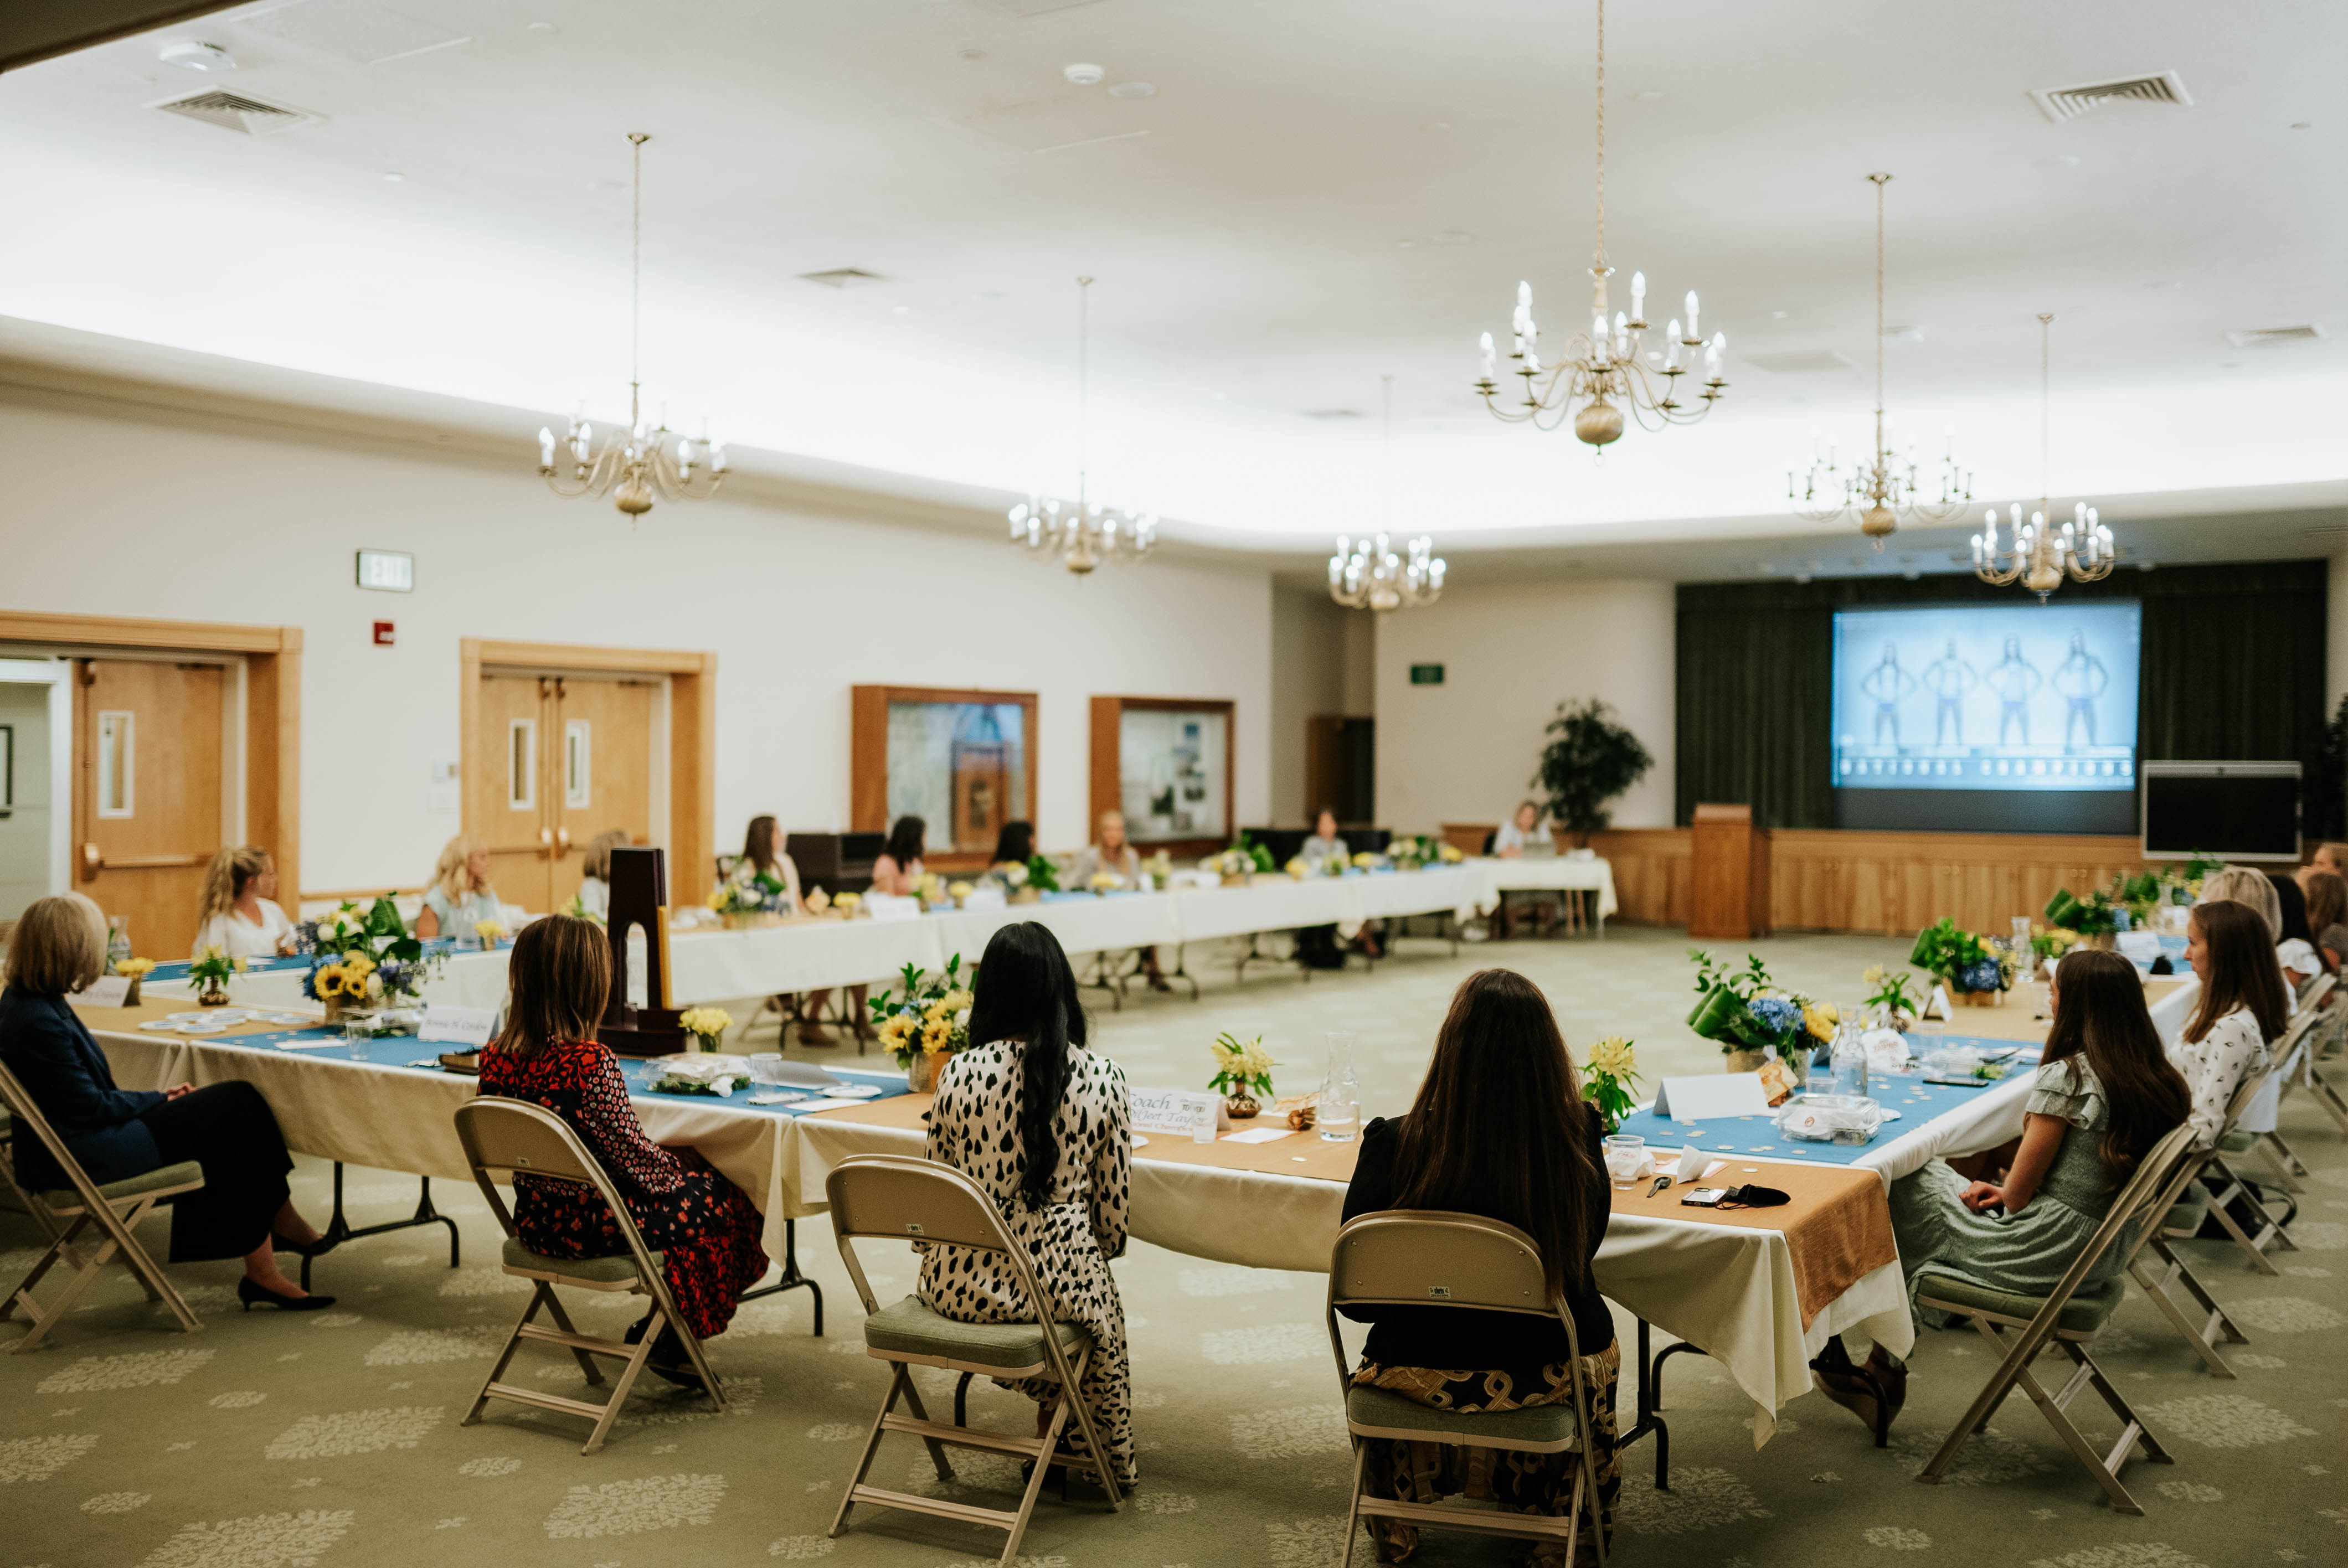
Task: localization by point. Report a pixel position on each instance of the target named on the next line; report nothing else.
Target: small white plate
(166, 1025)
(287, 1020)
(852, 1091)
(203, 1029)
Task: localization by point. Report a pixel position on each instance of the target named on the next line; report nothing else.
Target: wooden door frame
(272, 719)
(868, 758)
(692, 735)
(1107, 773)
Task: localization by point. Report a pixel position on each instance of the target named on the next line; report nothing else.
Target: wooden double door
(560, 758)
(149, 803)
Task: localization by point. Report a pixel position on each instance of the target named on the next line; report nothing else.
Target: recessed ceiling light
(901, 309)
(1777, 315)
(1082, 74)
(1222, 397)
(392, 179)
(544, 30)
(1407, 244)
(1134, 90)
(191, 54)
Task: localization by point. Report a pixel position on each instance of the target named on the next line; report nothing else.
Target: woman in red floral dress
(561, 974)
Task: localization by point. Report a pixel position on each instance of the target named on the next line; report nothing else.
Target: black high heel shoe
(253, 1295)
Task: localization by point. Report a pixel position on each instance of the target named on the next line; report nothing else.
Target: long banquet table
(815, 954)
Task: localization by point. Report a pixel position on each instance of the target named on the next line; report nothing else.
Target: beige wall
(120, 513)
(1309, 668)
(1463, 750)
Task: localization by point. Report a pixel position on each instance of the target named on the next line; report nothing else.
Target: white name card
(1198, 1114)
(456, 1025)
(2139, 946)
(889, 907)
(1714, 1094)
(105, 992)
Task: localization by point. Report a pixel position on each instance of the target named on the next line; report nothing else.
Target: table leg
(792, 1279)
(339, 1228)
(1650, 1401)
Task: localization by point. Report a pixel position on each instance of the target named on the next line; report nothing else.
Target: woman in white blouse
(2242, 1010)
(1509, 843)
(240, 914)
(460, 896)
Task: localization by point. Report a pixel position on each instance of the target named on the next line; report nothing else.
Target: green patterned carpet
(332, 1440)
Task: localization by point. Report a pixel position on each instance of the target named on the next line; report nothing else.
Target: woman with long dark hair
(1014, 845)
(2243, 1010)
(897, 868)
(701, 1224)
(1043, 1126)
(2014, 1218)
(1498, 1129)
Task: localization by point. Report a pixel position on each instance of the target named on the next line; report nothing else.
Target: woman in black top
(1499, 1129)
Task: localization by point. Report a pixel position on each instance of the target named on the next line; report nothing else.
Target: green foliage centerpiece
(1748, 1014)
(1242, 1074)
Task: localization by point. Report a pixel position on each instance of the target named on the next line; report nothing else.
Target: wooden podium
(640, 898)
(1728, 882)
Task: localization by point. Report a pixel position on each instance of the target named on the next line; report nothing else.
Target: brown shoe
(813, 1033)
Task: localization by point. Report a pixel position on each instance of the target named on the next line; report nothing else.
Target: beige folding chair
(2070, 1316)
(1421, 1257)
(903, 1199)
(13, 1192)
(116, 1208)
(505, 1136)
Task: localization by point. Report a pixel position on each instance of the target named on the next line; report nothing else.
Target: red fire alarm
(384, 635)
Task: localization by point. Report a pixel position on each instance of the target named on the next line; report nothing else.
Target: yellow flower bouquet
(706, 1025)
(1242, 1074)
(1607, 1079)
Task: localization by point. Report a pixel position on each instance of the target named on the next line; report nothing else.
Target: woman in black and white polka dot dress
(1044, 1126)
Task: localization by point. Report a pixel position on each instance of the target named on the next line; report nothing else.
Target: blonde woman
(596, 885)
(240, 914)
(244, 1209)
(459, 896)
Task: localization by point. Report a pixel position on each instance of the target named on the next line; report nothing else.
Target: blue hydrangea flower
(1984, 975)
(1775, 1014)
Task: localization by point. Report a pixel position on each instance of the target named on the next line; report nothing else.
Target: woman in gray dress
(2014, 1217)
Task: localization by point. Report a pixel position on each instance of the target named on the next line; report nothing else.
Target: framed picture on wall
(1166, 764)
(961, 761)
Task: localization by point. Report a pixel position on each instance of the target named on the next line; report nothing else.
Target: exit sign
(391, 571)
(1426, 674)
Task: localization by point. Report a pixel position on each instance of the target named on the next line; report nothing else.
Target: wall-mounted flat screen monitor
(2006, 718)
(2234, 811)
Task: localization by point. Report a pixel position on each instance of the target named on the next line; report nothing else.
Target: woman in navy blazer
(243, 1210)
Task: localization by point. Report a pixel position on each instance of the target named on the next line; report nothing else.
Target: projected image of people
(2014, 678)
(1948, 677)
(2079, 681)
(2063, 677)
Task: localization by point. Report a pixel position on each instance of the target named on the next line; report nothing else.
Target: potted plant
(2094, 917)
(1749, 1016)
(213, 967)
(1890, 996)
(1242, 1074)
(1976, 974)
(1589, 760)
(928, 1023)
(705, 1025)
(1607, 1079)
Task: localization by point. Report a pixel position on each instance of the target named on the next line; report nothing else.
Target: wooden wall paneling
(1105, 795)
(1898, 882)
(1650, 867)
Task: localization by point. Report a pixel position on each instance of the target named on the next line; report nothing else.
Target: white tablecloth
(816, 955)
(1728, 1289)
(1555, 873)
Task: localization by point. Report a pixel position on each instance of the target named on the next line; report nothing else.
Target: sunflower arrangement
(932, 1018)
(373, 953)
(342, 983)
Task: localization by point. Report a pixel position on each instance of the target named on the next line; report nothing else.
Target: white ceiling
(1319, 193)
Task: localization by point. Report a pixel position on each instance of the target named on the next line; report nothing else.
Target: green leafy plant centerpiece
(212, 968)
(1608, 1077)
(925, 1025)
(1042, 877)
(1589, 760)
(1242, 1074)
(1748, 1015)
(1973, 969)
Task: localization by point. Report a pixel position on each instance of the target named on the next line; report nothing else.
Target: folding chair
(13, 1191)
(1417, 1257)
(2175, 1214)
(2332, 1026)
(116, 1208)
(506, 1136)
(2069, 1315)
(2310, 1021)
(900, 1198)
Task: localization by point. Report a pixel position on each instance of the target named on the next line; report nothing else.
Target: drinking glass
(358, 1034)
(1339, 1112)
(1625, 1153)
(764, 1067)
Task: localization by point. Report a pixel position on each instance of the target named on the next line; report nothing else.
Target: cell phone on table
(1704, 1197)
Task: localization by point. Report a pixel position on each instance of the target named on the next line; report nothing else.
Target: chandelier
(1081, 533)
(638, 463)
(1366, 574)
(1606, 369)
(2040, 557)
(1888, 490)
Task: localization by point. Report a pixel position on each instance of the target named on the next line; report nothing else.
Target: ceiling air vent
(2063, 105)
(2259, 337)
(842, 277)
(234, 111)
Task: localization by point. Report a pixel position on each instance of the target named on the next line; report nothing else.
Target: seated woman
(2240, 884)
(2327, 914)
(1324, 843)
(1014, 846)
(1112, 852)
(593, 901)
(762, 858)
(460, 897)
(1041, 1125)
(243, 1209)
(2244, 1010)
(1316, 946)
(1509, 843)
(1498, 1129)
(2103, 1096)
(560, 975)
(240, 914)
(2295, 939)
(897, 869)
